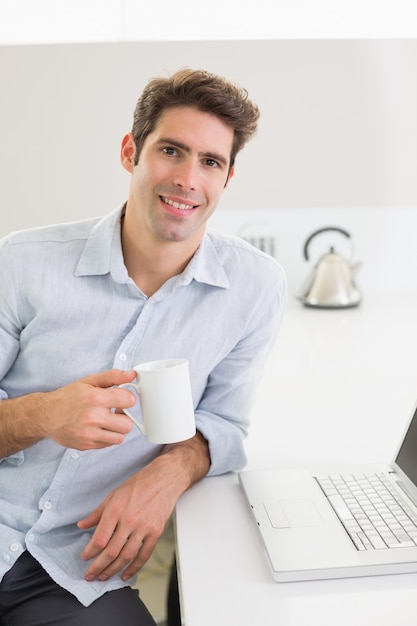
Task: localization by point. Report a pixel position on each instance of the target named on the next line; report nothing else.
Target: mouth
(180, 206)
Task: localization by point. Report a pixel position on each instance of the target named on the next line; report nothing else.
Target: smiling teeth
(178, 205)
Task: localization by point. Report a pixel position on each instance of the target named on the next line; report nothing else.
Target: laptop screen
(407, 454)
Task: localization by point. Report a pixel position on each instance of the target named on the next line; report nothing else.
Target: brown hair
(200, 89)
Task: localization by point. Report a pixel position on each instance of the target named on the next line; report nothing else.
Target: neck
(149, 262)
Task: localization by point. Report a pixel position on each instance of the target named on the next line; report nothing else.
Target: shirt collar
(206, 267)
(102, 254)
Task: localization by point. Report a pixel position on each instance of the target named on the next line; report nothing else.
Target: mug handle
(135, 421)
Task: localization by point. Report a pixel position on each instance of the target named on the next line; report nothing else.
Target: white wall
(338, 124)
(59, 21)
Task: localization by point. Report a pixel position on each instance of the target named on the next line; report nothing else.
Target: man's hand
(79, 415)
(133, 516)
(129, 523)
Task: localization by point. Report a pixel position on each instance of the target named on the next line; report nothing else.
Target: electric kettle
(331, 283)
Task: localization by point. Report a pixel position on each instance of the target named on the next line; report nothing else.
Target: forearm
(20, 424)
(189, 461)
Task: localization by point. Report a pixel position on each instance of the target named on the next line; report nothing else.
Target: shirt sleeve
(222, 415)
(9, 329)
(10, 326)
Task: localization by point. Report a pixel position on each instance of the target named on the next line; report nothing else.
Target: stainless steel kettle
(331, 284)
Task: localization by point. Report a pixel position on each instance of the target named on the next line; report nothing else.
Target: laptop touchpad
(295, 513)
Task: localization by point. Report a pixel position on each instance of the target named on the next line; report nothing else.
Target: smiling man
(84, 496)
(176, 184)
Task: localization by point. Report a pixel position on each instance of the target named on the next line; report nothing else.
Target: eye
(211, 163)
(168, 150)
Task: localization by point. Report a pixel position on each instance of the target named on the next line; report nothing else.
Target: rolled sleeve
(223, 415)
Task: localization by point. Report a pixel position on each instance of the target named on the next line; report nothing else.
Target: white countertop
(339, 386)
(333, 378)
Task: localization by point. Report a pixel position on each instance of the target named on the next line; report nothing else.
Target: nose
(186, 175)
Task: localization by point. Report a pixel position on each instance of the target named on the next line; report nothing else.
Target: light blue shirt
(68, 309)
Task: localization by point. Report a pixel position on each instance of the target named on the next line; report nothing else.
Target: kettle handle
(322, 230)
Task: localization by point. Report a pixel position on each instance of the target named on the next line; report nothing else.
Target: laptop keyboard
(373, 513)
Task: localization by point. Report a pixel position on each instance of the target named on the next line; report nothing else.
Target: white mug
(164, 392)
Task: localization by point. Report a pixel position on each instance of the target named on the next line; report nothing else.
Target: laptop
(338, 523)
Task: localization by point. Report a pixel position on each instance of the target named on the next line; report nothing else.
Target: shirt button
(47, 505)
(74, 455)
(123, 357)
(31, 537)
(14, 547)
(6, 557)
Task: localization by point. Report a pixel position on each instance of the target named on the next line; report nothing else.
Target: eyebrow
(178, 144)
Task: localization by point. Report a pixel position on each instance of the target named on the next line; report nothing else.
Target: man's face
(182, 170)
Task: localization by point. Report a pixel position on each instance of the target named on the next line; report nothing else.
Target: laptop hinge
(406, 491)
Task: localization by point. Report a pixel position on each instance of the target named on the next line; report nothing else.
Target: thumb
(109, 378)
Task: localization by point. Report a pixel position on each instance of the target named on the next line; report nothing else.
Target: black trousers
(29, 597)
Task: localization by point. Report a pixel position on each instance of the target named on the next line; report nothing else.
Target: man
(83, 495)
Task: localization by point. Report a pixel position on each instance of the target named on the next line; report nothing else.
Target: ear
(230, 176)
(127, 152)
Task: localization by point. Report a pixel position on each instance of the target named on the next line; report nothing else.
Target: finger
(127, 556)
(111, 397)
(90, 521)
(144, 554)
(101, 537)
(120, 398)
(108, 430)
(135, 554)
(119, 551)
(110, 378)
(117, 423)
